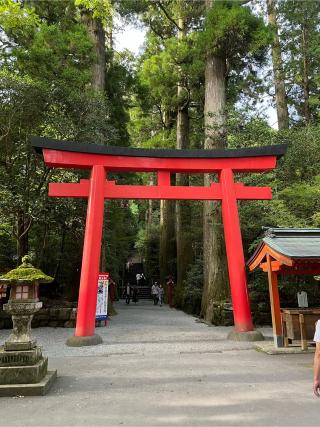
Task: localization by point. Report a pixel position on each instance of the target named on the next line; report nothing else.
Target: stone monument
(23, 368)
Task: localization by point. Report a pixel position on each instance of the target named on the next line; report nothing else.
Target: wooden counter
(299, 324)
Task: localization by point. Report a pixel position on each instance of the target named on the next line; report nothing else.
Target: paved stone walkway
(160, 367)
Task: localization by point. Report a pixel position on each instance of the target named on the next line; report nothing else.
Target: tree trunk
(306, 70)
(61, 251)
(147, 253)
(149, 208)
(184, 254)
(279, 85)
(22, 235)
(216, 283)
(167, 246)
(167, 240)
(97, 35)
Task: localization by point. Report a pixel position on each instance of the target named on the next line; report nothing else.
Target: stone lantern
(23, 369)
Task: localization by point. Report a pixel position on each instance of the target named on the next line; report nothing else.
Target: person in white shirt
(316, 363)
(139, 278)
(155, 293)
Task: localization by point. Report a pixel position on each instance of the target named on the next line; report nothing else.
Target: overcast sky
(127, 36)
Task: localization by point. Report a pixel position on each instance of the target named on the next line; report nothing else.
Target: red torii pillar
(100, 160)
(91, 255)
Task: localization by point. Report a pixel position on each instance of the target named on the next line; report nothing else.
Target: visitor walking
(135, 294)
(160, 294)
(316, 363)
(154, 293)
(139, 278)
(170, 285)
(128, 293)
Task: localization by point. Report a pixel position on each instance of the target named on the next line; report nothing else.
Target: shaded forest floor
(159, 367)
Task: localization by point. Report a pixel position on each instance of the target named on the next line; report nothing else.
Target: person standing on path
(135, 294)
(316, 364)
(154, 293)
(160, 294)
(170, 285)
(128, 293)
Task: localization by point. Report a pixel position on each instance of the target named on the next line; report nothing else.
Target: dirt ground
(160, 367)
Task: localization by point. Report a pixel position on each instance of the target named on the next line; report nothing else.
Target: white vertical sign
(102, 297)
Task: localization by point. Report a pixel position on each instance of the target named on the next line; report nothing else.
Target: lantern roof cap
(26, 273)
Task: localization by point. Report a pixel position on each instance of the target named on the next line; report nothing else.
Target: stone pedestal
(23, 369)
(83, 341)
(22, 314)
(245, 336)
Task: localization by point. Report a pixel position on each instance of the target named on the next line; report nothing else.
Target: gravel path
(143, 328)
(160, 367)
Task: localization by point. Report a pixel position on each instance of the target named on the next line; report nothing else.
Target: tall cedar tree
(278, 72)
(232, 36)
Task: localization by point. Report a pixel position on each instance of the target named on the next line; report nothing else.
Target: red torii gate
(104, 159)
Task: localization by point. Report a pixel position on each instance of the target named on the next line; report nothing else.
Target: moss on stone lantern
(24, 281)
(21, 360)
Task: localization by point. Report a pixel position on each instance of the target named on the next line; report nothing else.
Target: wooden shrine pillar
(275, 304)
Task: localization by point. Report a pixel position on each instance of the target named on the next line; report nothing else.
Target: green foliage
(16, 21)
(59, 57)
(232, 30)
(100, 8)
(188, 296)
(120, 83)
(300, 37)
(44, 90)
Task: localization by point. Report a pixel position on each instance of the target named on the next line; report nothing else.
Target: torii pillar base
(75, 341)
(245, 336)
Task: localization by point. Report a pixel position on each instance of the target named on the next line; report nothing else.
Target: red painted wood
(91, 255)
(274, 300)
(98, 188)
(164, 178)
(163, 191)
(67, 159)
(235, 256)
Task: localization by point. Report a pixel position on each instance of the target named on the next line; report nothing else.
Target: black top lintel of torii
(40, 143)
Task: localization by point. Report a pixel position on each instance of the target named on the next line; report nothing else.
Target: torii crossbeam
(102, 159)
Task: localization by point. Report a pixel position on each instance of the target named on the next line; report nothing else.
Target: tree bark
(279, 84)
(23, 225)
(306, 70)
(167, 246)
(149, 210)
(61, 250)
(184, 254)
(216, 283)
(97, 34)
(148, 250)
(167, 240)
